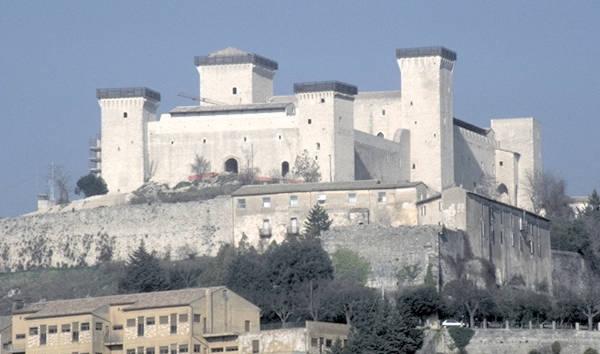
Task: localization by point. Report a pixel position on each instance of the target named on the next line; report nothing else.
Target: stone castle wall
(86, 236)
(568, 270)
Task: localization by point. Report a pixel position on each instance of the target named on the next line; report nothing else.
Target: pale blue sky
(515, 58)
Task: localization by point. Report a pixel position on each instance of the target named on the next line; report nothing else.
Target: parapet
(235, 56)
(125, 92)
(425, 52)
(320, 86)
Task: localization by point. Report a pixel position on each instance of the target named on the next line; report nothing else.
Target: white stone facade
(239, 124)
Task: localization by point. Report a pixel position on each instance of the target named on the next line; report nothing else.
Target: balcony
(113, 338)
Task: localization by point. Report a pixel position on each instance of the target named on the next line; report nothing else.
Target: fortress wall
(390, 250)
(270, 139)
(379, 158)
(71, 238)
(473, 158)
(568, 270)
(378, 112)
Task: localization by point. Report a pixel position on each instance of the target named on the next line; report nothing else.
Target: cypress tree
(143, 273)
(317, 222)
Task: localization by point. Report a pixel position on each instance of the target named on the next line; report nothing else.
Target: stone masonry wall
(86, 236)
(568, 270)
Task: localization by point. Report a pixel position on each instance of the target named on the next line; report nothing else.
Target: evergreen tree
(91, 185)
(143, 273)
(317, 222)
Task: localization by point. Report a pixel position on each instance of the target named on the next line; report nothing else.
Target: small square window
(322, 100)
(381, 197)
(197, 348)
(65, 328)
(85, 326)
(183, 317)
(310, 121)
(150, 321)
(352, 198)
(266, 202)
(183, 348)
(20, 336)
(117, 327)
(98, 326)
(163, 319)
(33, 331)
(293, 201)
(241, 203)
(52, 329)
(197, 318)
(501, 163)
(318, 146)
(383, 112)
(124, 114)
(322, 198)
(234, 91)
(131, 322)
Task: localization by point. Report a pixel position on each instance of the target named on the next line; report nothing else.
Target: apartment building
(200, 320)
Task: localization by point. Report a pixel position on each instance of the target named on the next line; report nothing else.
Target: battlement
(235, 56)
(125, 92)
(320, 86)
(426, 52)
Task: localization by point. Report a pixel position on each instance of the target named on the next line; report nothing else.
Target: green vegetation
(318, 221)
(461, 337)
(143, 273)
(350, 267)
(307, 168)
(590, 351)
(91, 185)
(555, 347)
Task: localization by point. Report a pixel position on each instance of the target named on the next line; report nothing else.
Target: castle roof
(319, 187)
(471, 127)
(254, 107)
(129, 301)
(319, 86)
(124, 92)
(232, 55)
(426, 52)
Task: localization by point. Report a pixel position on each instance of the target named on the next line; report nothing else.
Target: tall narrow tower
(232, 76)
(125, 113)
(325, 113)
(427, 107)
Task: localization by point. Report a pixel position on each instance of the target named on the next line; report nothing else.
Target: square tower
(325, 114)
(232, 76)
(125, 113)
(426, 90)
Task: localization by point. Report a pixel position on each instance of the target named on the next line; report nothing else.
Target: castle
(409, 135)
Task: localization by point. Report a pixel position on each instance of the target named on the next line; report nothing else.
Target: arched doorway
(285, 168)
(231, 166)
(380, 134)
(502, 192)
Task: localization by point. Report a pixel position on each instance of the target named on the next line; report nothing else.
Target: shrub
(555, 347)
(91, 185)
(534, 351)
(182, 184)
(590, 351)
(461, 336)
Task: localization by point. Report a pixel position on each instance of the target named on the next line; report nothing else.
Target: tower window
(204, 141)
(245, 139)
(318, 146)
(501, 163)
(322, 100)
(234, 90)
(124, 114)
(380, 135)
(383, 112)
(310, 121)
(414, 166)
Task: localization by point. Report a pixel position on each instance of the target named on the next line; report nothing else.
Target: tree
(306, 167)
(143, 273)
(547, 193)
(421, 302)
(317, 222)
(337, 348)
(60, 181)
(589, 299)
(200, 166)
(350, 267)
(184, 274)
(464, 297)
(91, 185)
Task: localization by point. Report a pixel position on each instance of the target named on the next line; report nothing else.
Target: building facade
(202, 320)
(409, 135)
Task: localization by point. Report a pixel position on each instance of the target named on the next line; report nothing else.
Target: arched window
(380, 134)
(285, 168)
(231, 166)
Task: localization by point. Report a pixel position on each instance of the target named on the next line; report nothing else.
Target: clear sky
(515, 58)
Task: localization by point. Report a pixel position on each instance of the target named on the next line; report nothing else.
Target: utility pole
(51, 183)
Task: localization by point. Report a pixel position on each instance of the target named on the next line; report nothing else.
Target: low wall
(86, 236)
(568, 270)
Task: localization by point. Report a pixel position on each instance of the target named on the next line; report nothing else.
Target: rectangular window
(183, 318)
(33, 331)
(131, 322)
(52, 329)
(150, 321)
(351, 198)
(75, 332)
(183, 348)
(314, 342)
(231, 349)
(43, 335)
(173, 323)
(163, 350)
(140, 327)
(328, 343)
(140, 350)
(216, 350)
(266, 202)
(241, 203)
(117, 327)
(247, 326)
(173, 348)
(150, 350)
(163, 320)
(85, 326)
(381, 197)
(98, 326)
(197, 318)
(255, 346)
(20, 336)
(322, 198)
(293, 201)
(197, 348)
(130, 351)
(204, 327)
(66, 328)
